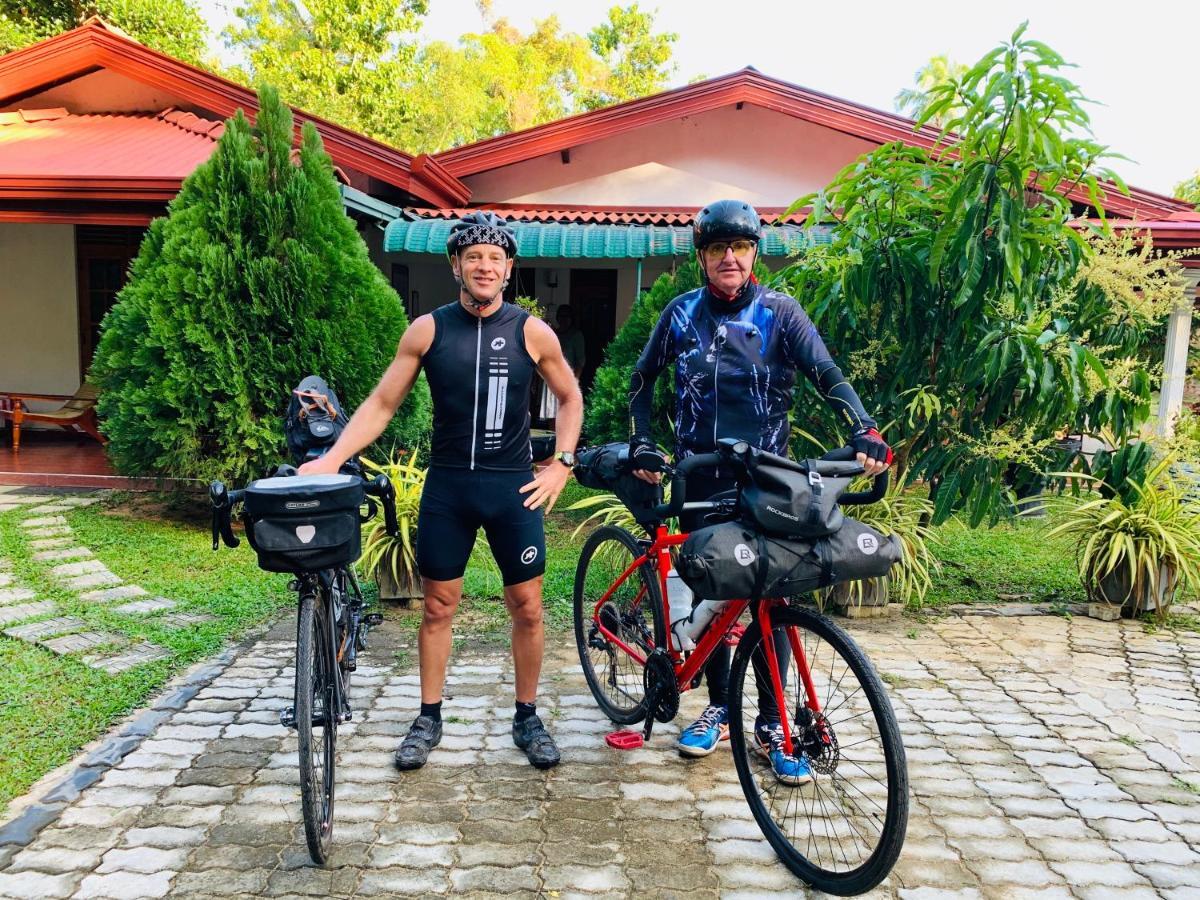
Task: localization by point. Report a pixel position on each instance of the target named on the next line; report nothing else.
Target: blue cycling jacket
(735, 370)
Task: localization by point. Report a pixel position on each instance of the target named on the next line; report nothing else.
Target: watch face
(567, 458)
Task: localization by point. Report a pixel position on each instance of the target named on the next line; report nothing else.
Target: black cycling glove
(644, 454)
(871, 442)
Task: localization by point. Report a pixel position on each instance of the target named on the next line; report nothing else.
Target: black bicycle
(310, 526)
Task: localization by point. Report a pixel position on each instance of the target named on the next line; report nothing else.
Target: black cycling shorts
(456, 503)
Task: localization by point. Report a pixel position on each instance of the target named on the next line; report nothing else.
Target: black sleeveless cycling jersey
(479, 377)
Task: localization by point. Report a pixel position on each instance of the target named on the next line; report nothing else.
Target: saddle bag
(305, 523)
(731, 560)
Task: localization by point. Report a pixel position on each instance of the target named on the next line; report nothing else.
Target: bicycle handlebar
(741, 453)
(223, 500)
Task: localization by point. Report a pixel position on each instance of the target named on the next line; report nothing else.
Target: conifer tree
(255, 278)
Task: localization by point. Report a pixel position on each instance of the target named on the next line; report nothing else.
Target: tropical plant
(937, 73)
(1189, 190)
(608, 509)
(254, 279)
(1137, 544)
(385, 556)
(986, 321)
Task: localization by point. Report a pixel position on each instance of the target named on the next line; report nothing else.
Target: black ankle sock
(524, 711)
(433, 710)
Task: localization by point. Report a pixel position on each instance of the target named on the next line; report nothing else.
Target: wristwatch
(566, 457)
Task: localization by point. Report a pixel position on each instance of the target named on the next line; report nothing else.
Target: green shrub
(254, 279)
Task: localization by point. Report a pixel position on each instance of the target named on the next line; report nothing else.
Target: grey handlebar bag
(732, 560)
(797, 499)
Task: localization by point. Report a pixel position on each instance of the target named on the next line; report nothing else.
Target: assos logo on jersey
(498, 343)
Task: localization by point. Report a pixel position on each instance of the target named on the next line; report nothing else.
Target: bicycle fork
(810, 690)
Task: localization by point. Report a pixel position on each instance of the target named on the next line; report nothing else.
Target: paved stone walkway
(1049, 757)
(53, 545)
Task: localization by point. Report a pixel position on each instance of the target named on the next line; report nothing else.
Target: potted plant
(906, 515)
(392, 561)
(1137, 538)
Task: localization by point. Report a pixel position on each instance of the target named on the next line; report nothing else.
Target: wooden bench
(78, 412)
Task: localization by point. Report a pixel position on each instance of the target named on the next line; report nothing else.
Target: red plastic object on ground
(624, 740)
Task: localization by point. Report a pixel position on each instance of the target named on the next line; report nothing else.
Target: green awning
(569, 240)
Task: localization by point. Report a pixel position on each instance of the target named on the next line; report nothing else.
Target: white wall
(103, 91)
(39, 307)
(685, 162)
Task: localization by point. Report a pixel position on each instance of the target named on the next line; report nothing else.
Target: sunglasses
(716, 251)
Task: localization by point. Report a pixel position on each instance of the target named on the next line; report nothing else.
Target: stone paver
(85, 640)
(21, 611)
(15, 595)
(143, 607)
(1048, 758)
(35, 631)
(135, 656)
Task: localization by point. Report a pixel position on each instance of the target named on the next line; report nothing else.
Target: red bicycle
(842, 831)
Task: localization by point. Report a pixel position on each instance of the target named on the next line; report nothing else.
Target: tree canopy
(174, 27)
(939, 72)
(1189, 190)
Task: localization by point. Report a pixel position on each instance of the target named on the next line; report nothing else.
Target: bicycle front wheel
(632, 614)
(842, 831)
(316, 724)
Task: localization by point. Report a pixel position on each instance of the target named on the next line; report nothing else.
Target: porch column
(1179, 332)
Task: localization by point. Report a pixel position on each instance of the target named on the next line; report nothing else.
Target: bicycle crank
(662, 690)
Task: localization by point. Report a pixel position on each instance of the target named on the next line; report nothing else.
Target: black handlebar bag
(606, 468)
(795, 499)
(305, 523)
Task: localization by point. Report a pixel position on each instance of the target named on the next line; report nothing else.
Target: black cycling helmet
(726, 220)
(481, 228)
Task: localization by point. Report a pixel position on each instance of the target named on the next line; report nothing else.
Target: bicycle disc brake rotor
(660, 675)
(819, 741)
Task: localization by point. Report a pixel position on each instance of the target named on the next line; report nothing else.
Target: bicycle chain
(659, 674)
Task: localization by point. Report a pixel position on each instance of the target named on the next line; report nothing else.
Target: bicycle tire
(317, 745)
(826, 788)
(596, 571)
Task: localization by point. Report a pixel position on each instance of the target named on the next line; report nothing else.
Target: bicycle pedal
(287, 717)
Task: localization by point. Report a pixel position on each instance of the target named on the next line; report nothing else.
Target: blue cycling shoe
(702, 736)
(788, 769)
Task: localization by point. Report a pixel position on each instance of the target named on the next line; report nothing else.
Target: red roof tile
(594, 215)
(51, 143)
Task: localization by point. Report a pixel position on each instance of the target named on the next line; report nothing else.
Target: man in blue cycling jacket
(737, 347)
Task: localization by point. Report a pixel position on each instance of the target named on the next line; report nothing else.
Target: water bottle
(686, 631)
(679, 596)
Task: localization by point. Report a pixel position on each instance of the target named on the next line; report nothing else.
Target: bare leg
(434, 638)
(524, 602)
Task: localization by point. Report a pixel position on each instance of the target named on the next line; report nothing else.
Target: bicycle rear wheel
(316, 724)
(841, 832)
(633, 613)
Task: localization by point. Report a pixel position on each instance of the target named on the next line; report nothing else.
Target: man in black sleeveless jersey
(479, 355)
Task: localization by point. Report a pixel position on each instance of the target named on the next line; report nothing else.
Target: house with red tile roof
(97, 133)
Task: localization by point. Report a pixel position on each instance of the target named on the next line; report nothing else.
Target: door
(594, 301)
(102, 257)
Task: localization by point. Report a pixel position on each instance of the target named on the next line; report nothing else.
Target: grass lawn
(1014, 561)
(51, 706)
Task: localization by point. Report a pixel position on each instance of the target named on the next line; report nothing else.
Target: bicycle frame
(687, 668)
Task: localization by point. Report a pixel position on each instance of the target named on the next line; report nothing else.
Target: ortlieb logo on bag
(306, 533)
(306, 504)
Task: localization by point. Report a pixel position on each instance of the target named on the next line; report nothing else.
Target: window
(102, 257)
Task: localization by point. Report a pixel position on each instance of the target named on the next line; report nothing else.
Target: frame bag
(305, 523)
